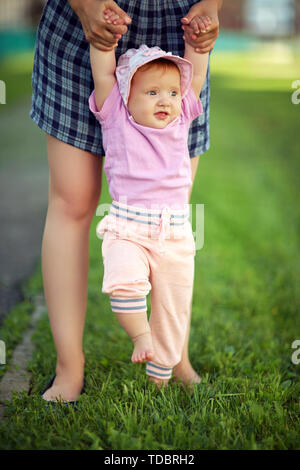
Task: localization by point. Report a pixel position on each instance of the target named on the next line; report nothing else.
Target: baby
(145, 106)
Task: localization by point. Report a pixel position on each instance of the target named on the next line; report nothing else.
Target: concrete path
(23, 206)
(23, 199)
(17, 378)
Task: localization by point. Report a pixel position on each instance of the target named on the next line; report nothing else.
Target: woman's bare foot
(143, 348)
(66, 386)
(184, 373)
(64, 390)
(159, 382)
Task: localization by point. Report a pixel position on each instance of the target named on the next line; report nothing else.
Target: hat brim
(184, 65)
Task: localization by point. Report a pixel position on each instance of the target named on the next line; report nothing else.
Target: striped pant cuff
(158, 371)
(137, 305)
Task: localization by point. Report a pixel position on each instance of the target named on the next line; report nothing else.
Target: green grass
(245, 306)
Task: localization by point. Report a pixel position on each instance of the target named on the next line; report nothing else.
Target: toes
(142, 356)
(135, 359)
(150, 356)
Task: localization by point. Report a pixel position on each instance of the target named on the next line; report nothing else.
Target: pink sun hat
(129, 62)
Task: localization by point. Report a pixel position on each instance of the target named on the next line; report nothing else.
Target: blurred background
(257, 50)
(247, 19)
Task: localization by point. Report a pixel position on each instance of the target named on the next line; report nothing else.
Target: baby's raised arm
(103, 64)
(200, 64)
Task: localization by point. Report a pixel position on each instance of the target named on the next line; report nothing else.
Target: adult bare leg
(183, 370)
(74, 191)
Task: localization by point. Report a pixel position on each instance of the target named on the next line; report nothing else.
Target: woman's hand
(97, 31)
(202, 41)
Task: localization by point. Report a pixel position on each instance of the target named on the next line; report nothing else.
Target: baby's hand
(200, 24)
(202, 42)
(113, 18)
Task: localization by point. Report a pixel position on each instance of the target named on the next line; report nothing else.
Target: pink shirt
(145, 166)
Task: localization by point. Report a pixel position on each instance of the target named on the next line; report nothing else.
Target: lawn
(245, 305)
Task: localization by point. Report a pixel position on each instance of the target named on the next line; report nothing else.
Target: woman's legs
(74, 191)
(184, 370)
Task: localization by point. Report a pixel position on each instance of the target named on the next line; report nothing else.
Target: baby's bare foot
(159, 382)
(143, 348)
(185, 374)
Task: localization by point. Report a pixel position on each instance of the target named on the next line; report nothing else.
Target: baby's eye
(173, 93)
(151, 92)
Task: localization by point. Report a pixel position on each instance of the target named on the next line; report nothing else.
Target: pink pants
(151, 250)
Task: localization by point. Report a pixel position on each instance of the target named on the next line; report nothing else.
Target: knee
(130, 289)
(126, 270)
(76, 206)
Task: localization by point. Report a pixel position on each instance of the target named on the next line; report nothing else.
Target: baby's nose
(163, 100)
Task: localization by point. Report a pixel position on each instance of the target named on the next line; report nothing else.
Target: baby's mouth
(161, 115)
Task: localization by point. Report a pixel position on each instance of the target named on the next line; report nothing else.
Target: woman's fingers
(103, 24)
(200, 37)
(116, 29)
(201, 26)
(205, 47)
(201, 43)
(102, 44)
(107, 34)
(204, 51)
(106, 40)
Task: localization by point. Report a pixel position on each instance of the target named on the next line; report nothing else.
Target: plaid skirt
(62, 80)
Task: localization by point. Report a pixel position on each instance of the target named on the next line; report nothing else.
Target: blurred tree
(34, 11)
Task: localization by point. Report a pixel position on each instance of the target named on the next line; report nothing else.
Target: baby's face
(155, 98)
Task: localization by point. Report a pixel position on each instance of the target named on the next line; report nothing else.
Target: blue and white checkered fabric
(62, 80)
